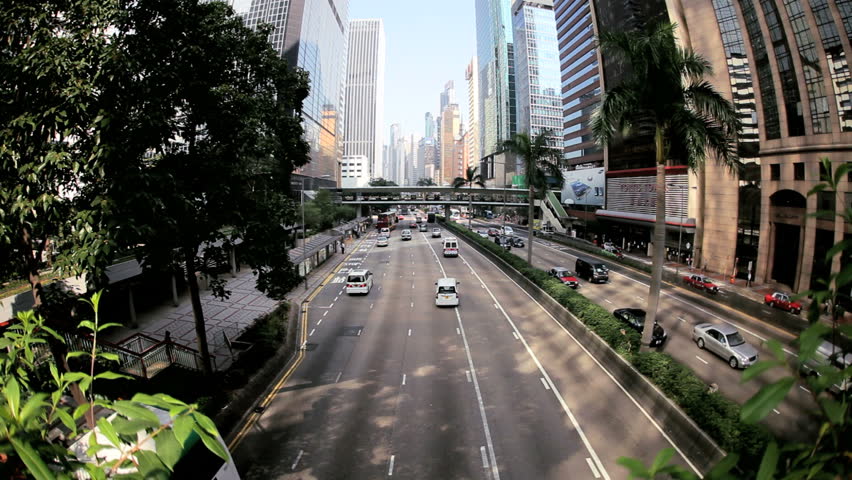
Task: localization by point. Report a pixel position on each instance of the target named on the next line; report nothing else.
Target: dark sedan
(635, 319)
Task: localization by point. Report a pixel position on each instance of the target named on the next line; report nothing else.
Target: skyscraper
(537, 83)
(581, 88)
(448, 95)
(450, 137)
(495, 59)
(472, 147)
(396, 156)
(426, 151)
(429, 131)
(365, 93)
(313, 34)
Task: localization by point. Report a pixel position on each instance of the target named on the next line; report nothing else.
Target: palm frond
(705, 99)
(459, 182)
(614, 111)
(694, 65)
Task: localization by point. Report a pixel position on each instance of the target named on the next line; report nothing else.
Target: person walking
(343, 248)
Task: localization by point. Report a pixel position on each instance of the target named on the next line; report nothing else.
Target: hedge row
(713, 413)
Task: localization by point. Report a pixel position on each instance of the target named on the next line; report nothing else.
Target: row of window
(799, 172)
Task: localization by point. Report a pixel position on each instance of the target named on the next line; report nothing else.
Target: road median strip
(704, 423)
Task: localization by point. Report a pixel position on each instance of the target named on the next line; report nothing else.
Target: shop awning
(645, 220)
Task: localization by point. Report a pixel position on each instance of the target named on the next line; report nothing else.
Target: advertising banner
(583, 187)
(639, 195)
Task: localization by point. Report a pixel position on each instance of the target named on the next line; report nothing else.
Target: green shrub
(713, 413)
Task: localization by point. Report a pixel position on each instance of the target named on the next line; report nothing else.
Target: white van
(446, 292)
(385, 232)
(359, 281)
(507, 231)
(451, 247)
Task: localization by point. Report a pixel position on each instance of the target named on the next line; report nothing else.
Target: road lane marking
(681, 319)
(544, 382)
(296, 462)
(593, 467)
(607, 301)
(776, 411)
(312, 332)
(805, 389)
(390, 467)
(335, 298)
(359, 332)
(409, 330)
(403, 379)
(544, 373)
(467, 372)
(384, 274)
(702, 360)
(319, 322)
(515, 335)
(496, 306)
(324, 314)
(332, 304)
(371, 306)
(412, 304)
(458, 332)
(339, 374)
(484, 457)
(607, 372)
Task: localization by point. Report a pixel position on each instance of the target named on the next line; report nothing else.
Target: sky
(428, 43)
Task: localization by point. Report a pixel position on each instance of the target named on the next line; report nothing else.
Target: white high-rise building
(365, 92)
(354, 171)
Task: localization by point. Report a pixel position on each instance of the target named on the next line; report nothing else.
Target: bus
(386, 220)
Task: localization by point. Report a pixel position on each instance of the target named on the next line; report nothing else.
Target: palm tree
(665, 91)
(541, 160)
(470, 179)
(425, 182)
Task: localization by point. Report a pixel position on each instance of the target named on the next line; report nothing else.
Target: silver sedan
(725, 341)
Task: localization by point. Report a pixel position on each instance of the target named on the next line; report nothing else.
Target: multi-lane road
(392, 385)
(680, 309)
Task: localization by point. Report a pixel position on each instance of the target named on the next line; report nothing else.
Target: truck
(430, 218)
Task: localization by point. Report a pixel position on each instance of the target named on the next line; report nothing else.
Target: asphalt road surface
(394, 386)
(680, 309)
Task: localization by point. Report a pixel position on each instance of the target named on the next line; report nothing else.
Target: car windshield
(706, 280)
(563, 273)
(382, 238)
(735, 339)
(600, 268)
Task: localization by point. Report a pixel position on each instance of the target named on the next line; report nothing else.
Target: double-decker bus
(386, 220)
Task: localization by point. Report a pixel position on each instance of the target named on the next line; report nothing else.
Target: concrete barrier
(696, 445)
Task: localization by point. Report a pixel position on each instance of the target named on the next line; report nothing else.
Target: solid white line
(607, 301)
(702, 360)
(776, 411)
(338, 377)
(296, 462)
(403, 379)
(515, 335)
(312, 332)
(805, 389)
(544, 382)
(558, 395)
(593, 467)
(390, 467)
(467, 372)
(325, 313)
(484, 457)
(607, 372)
(481, 286)
(458, 332)
(409, 330)
(681, 319)
(495, 305)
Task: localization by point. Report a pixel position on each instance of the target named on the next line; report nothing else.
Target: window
(822, 171)
(775, 172)
(798, 171)
(826, 203)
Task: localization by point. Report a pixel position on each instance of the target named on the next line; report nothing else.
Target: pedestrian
(342, 248)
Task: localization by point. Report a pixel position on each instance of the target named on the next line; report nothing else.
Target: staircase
(553, 212)
(140, 355)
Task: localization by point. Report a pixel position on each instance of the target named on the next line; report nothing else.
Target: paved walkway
(222, 317)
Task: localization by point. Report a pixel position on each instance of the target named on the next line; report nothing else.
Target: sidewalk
(222, 317)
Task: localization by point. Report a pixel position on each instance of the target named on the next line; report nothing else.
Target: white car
(446, 292)
(406, 235)
(507, 231)
(436, 232)
(382, 241)
(359, 281)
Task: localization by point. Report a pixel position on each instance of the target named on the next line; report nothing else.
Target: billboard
(638, 195)
(583, 187)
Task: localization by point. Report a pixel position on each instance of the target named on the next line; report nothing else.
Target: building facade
(396, 156)
(784, 65)
(580, 80)
(365, 91)
(426, 154)
(537, 86)
(495, 60)
(313, 34)
(449, 140)
(354, 171)
(473, 152)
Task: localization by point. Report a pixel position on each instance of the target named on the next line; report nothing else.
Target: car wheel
(701, 343)
(795, 311)
(733, 362)
(772, 304)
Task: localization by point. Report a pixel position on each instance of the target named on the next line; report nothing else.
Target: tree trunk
(530, 213)
(659, 244)
(197, 310)
(58, 349)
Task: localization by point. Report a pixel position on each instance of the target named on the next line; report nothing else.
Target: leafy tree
(381, 182)
(470, 179)
(208, 120)
(425, 182)
(29, 407)
(541, 160)
(665, 91)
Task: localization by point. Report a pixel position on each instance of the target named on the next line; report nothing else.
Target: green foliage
(425, 182)
(28, 412)
(381, 182)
